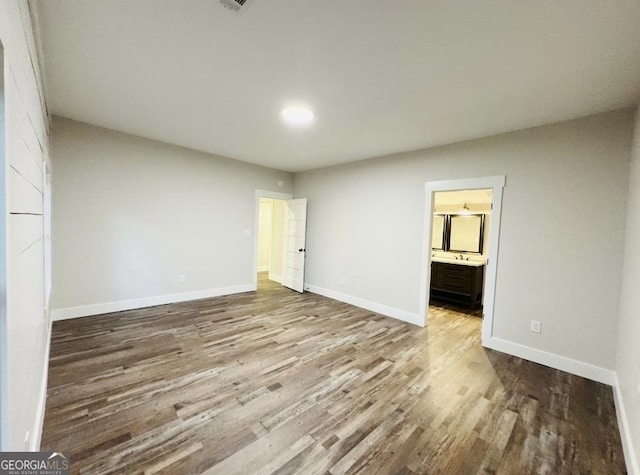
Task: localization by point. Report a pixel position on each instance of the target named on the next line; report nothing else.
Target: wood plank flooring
(279, 382)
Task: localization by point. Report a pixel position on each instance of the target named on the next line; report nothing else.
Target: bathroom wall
(453, 202)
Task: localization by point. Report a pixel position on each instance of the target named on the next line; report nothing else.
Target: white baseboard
(118, 306)
(42, 402)
(579, 368)
(275, 277)
(563, 363)
(569, 365)
(630, 457)
(263, 269)
(367, 304)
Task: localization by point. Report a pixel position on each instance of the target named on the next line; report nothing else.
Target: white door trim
(496, 183)
(256, 225)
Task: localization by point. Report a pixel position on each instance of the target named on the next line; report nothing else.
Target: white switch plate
(182, 279)
(536, 326)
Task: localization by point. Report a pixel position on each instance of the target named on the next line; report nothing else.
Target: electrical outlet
(182, 279)
(343, 280)
(536, 326)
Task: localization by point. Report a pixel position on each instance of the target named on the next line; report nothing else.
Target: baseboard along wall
(121, 305)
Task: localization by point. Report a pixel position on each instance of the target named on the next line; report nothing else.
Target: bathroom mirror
(437, 235)
(466, 233)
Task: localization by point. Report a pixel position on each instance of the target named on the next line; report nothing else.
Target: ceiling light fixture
(297, 116)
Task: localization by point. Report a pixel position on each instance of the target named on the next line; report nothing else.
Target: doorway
(271, 217)
(454, 235)
(269, 237)
(459, 248)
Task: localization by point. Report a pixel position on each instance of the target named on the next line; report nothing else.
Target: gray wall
(628, 357)
(131, 215)
(562, 229)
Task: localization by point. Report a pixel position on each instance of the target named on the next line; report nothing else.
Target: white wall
(265, 220)
(561, 237)
(130, 215)
(628, 356)
(277, 240)
(27, 326)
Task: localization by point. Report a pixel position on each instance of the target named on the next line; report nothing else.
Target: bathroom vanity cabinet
(457, 282)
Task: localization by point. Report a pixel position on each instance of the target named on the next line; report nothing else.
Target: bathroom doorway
(461, 238)
(460, 248)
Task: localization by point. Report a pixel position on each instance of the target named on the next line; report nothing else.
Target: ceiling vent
(233, 4)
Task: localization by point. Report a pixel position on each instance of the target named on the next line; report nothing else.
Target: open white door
(294, 244)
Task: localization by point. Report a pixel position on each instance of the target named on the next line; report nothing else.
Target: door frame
(496, 184)
(277, 195)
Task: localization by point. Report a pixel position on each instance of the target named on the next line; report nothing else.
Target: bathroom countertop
(450, 260)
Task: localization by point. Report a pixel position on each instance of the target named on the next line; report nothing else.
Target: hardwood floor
(280, 382)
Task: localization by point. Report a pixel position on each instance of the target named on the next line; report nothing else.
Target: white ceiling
(382, 76)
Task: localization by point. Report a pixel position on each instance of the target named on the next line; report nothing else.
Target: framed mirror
(466, 233)
(438, 232)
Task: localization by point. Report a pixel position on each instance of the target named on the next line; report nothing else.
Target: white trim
(275, 277)
(569, 365)
(118, 306)
(42, 403)
(263, 268)
(256, 224)
(630, 457)
(496, 183)
(366, 304)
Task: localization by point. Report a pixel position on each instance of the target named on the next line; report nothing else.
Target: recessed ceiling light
(297, 116)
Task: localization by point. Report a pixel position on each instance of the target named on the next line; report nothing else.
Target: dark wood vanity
(457, 283)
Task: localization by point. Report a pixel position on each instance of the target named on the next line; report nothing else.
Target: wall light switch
(182, 279)
(536, 326)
